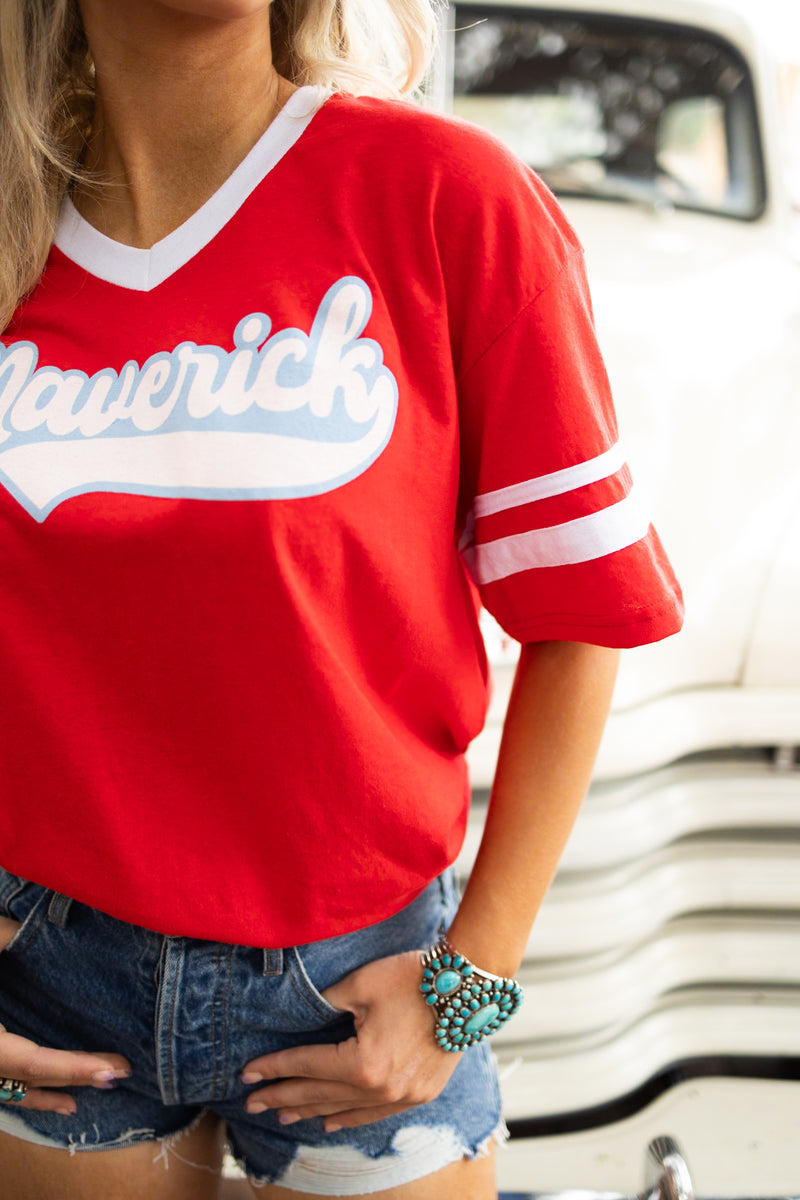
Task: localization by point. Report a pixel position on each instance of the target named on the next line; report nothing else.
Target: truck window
(614, 108)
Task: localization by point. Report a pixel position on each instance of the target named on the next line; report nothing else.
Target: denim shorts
(189, 1014)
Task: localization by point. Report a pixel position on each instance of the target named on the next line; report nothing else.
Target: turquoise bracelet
(469, 1004)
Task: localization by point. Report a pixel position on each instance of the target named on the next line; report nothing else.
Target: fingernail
(288, 1118)
(107, 1087)
(103, 1076)
(65, 1112)
(333, 1128)
(256, 1107)
(250, 1077)
(124, 1073)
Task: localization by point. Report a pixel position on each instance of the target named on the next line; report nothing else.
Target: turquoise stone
(447, 982)
(482, 1018)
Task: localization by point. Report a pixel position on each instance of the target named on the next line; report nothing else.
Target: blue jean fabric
(189, 1015)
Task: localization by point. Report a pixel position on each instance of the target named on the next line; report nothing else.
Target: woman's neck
(180, 102)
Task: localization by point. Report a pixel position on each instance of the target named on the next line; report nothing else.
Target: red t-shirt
(242, 473)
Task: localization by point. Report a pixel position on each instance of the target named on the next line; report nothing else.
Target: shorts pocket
(316, 966)
(309, 990)
(24, 902)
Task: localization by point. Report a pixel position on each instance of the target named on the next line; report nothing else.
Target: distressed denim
(190, 1014)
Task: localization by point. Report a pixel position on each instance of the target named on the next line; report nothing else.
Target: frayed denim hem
(416, 1151)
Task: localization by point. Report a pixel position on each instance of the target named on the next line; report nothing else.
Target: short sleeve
(554, 534)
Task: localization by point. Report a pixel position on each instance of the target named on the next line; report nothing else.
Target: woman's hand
(561, 695)
(391, 1064)
(42, 1068)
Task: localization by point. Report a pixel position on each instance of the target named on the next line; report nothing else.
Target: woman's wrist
(491, 943)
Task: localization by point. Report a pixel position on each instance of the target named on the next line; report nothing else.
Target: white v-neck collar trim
(143, 270)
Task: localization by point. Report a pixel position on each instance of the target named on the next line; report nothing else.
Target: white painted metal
(776, 626)
(674, 724)
(623, 820)
(671, 930)
(699, 319)
(588, 913)
(667, 1178)
(589, 995)
(562, 1076)
(740, 1138)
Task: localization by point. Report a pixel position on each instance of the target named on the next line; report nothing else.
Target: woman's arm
(556, 713)
(553, 726)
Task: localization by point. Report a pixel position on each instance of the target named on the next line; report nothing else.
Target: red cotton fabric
(246, 477)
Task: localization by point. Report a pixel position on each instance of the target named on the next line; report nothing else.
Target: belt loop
(273, 962)
(58, 910)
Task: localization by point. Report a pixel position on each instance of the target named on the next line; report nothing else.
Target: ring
(13, 1089)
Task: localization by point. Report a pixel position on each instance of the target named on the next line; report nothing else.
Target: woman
(298, 355)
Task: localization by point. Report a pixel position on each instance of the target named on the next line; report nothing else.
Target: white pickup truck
(663, 976)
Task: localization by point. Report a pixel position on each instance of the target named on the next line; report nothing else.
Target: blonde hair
(366, 47)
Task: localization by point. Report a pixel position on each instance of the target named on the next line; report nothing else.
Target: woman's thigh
(467, 1179)
(190, 1172)
(39, 1173)
(138, 1173)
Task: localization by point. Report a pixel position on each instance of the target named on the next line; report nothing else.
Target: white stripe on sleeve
(586, 538)
(554, 484)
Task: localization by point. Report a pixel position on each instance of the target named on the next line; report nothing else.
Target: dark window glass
(614, 108)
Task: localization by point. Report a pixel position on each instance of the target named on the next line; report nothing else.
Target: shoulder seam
(573, 252)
